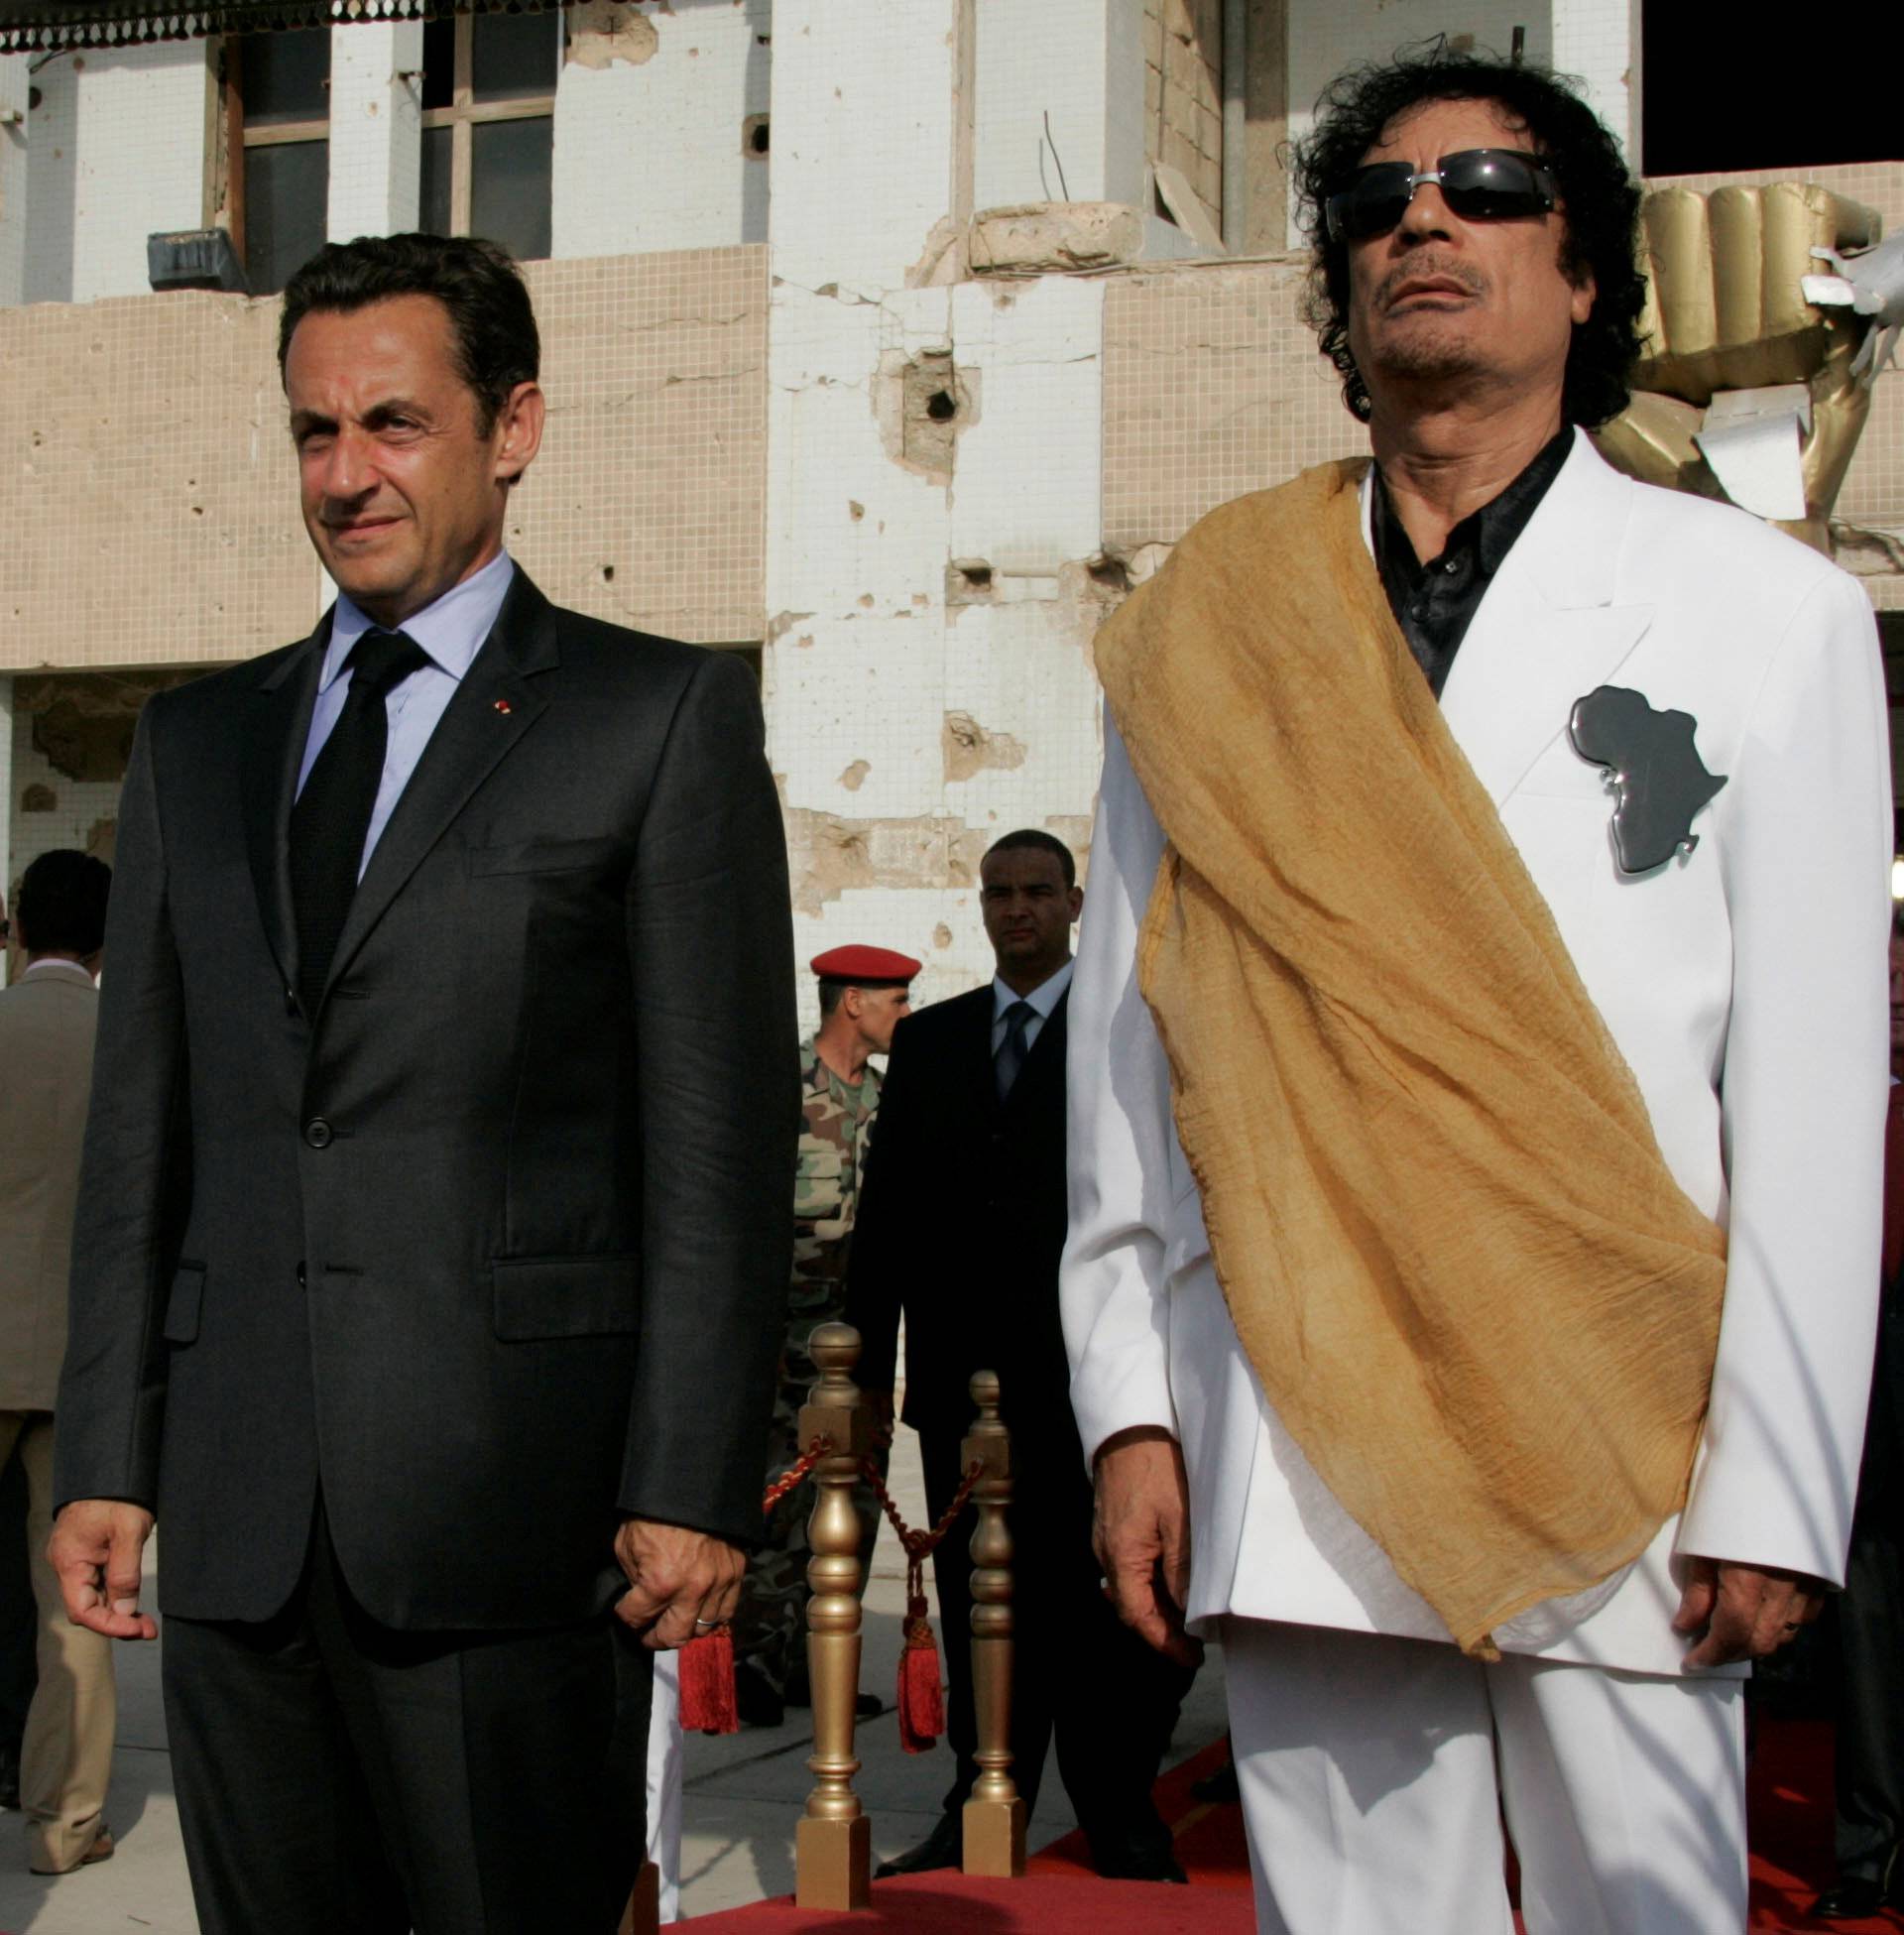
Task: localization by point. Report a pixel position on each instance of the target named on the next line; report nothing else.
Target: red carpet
(1789, 1794)
(1040, 1905)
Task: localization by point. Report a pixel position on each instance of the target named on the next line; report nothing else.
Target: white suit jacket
(1744, 982)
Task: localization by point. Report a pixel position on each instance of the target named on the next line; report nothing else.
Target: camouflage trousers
(769, 1626)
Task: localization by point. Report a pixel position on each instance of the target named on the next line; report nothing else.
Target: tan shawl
(1454, 1253)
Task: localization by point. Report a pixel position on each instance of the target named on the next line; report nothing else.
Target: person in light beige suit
(46, 1024)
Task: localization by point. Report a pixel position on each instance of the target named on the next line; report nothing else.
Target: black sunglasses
(1481, 185)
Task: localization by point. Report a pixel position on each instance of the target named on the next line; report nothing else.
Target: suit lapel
(1548, 631)
(496, 704)
(274, 749)
(978, 1058)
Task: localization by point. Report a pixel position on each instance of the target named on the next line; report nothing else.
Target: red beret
(866, 967)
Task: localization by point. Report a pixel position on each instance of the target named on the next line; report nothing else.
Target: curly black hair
(1598, 202)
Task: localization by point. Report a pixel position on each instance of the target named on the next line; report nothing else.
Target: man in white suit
(1481, 302)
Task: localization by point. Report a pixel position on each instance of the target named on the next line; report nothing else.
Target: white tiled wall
(870, 662)
(116, 151)
(862, 137)
(13, 177)
(1078, 61)
(376, 129)
(654, 155)
(1599, 41)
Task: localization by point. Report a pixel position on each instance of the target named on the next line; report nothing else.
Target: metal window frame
(240, 136)
(465, 112)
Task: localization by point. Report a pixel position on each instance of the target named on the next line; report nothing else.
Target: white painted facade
(118, 149)
(376, 130)
(653, 149)
(927, 667)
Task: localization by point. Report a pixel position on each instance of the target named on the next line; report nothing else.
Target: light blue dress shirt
(1043, 998)
(451, 632)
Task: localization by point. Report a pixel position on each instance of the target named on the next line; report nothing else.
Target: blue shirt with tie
(451, 630)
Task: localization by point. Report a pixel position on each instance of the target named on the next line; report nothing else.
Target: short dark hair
(830, 993)
(1039, 841)
(61, 909)
(1598, 203)
(490, 313)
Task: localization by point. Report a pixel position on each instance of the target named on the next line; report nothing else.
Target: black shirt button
(317, 1133)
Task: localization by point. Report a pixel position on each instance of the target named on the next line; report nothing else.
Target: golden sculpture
(1726, 313)
(833, 1845)
(993, 1821)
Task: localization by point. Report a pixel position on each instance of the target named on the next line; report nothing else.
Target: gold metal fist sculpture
(1747, 389)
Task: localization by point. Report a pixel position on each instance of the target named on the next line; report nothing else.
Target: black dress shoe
(755, 1700)
(944, 1846)
(1137, 1858)
(1853, 1897)
(1220, 1788)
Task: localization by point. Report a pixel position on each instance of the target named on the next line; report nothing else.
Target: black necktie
(331, 819)
(1012, 1051)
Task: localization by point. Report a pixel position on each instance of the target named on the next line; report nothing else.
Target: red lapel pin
(503, 706)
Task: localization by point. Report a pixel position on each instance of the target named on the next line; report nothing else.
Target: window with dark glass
(489, 127)
(278, 96)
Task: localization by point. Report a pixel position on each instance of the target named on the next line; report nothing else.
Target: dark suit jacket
(494, 1246)
(963, 1221)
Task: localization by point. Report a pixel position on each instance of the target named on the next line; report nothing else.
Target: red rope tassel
(922, 1692)
(707, 1684)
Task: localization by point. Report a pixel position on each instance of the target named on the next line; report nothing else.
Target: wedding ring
(707, 1622)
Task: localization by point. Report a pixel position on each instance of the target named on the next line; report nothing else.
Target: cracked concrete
(603, 31)
(969, 747)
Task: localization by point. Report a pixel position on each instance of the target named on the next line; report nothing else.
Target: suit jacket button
(317, 1133)
(301, 1276)
(290, 1001)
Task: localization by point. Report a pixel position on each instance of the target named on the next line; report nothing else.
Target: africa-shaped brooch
(1652, 766)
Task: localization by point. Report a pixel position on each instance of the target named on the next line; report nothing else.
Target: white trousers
(1375, 1773)
(666, 1759)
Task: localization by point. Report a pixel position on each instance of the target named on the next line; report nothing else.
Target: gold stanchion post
(833, 1847)
(995, 1815)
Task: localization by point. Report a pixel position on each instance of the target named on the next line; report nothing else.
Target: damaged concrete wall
(928, 673)
(1058, 102)
(148, 497)
(661, 130)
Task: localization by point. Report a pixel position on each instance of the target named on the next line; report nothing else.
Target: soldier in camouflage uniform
(864, 993)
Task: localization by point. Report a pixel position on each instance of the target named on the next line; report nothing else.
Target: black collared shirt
(1434, 603)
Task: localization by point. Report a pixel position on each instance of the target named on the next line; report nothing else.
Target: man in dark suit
(434, 1231)
(1868, 1831)
(960, 1227)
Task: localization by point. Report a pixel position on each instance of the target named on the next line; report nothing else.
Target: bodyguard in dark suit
(961, 1227)
(1869, 1784)
(434, 1231)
